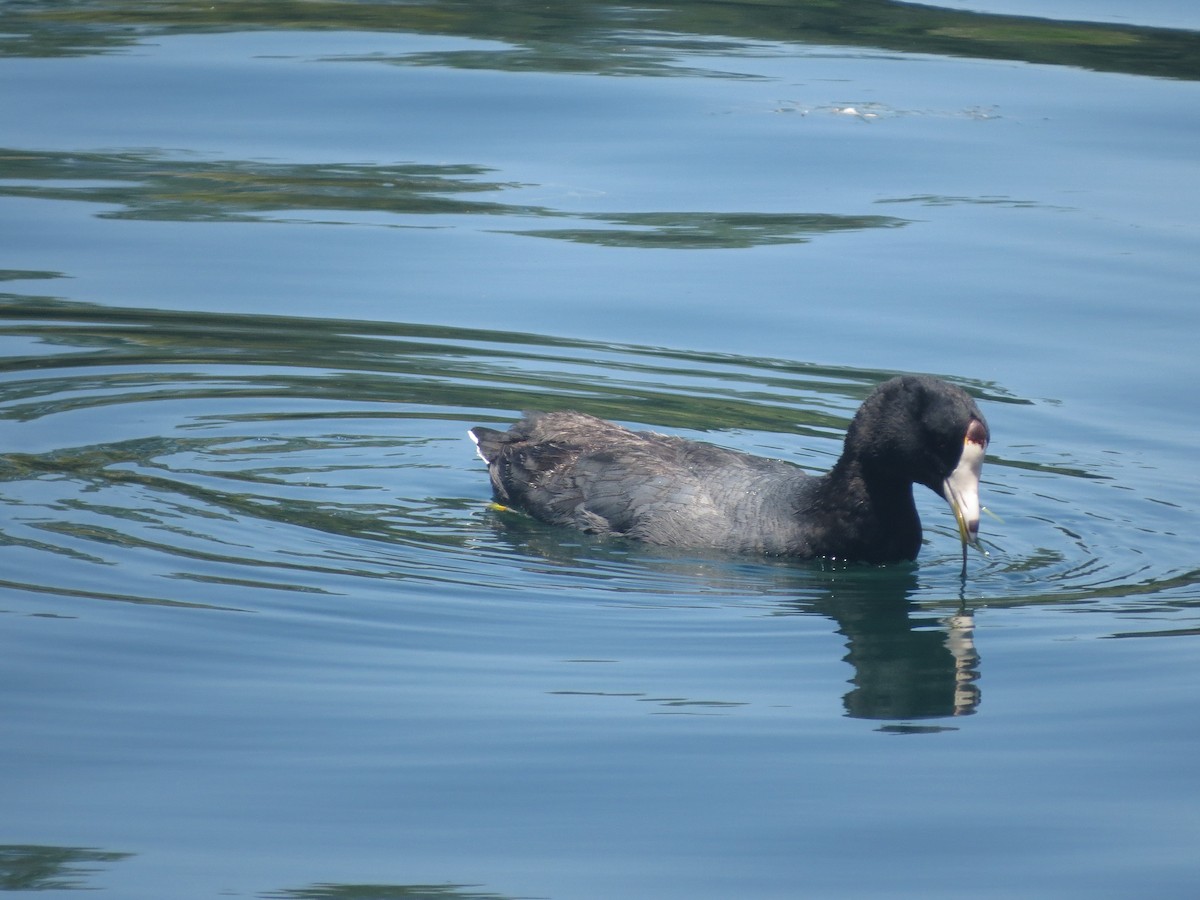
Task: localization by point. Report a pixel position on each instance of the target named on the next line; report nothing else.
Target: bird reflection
(909, 663)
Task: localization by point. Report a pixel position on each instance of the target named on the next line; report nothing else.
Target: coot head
(916, 429)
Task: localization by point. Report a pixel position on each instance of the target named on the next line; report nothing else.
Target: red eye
(977, 433)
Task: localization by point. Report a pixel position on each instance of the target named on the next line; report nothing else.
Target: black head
(920, 430)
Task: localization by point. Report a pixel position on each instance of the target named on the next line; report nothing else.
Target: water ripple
(190, 459)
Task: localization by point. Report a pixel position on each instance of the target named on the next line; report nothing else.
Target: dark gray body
(568, 468)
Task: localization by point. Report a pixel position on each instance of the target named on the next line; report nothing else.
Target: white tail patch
(475, 441)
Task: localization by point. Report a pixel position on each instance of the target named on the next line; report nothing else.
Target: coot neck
(872, 513)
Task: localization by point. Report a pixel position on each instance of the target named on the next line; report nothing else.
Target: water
(263, 635)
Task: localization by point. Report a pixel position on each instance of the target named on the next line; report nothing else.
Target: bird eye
(976, 433)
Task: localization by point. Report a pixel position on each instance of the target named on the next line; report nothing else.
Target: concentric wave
(183, 458)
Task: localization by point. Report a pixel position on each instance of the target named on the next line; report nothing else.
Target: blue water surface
(263, 635)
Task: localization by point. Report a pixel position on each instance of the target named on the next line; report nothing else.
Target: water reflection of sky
(1154, 13)
(263, 264)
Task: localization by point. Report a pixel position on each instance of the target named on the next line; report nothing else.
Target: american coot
(568, 468)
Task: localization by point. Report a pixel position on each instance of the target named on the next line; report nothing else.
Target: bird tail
(487, 442)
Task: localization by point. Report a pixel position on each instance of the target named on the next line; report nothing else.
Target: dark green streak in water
(34, 867)
(422, 364)
(612, 38)
(153, 188)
